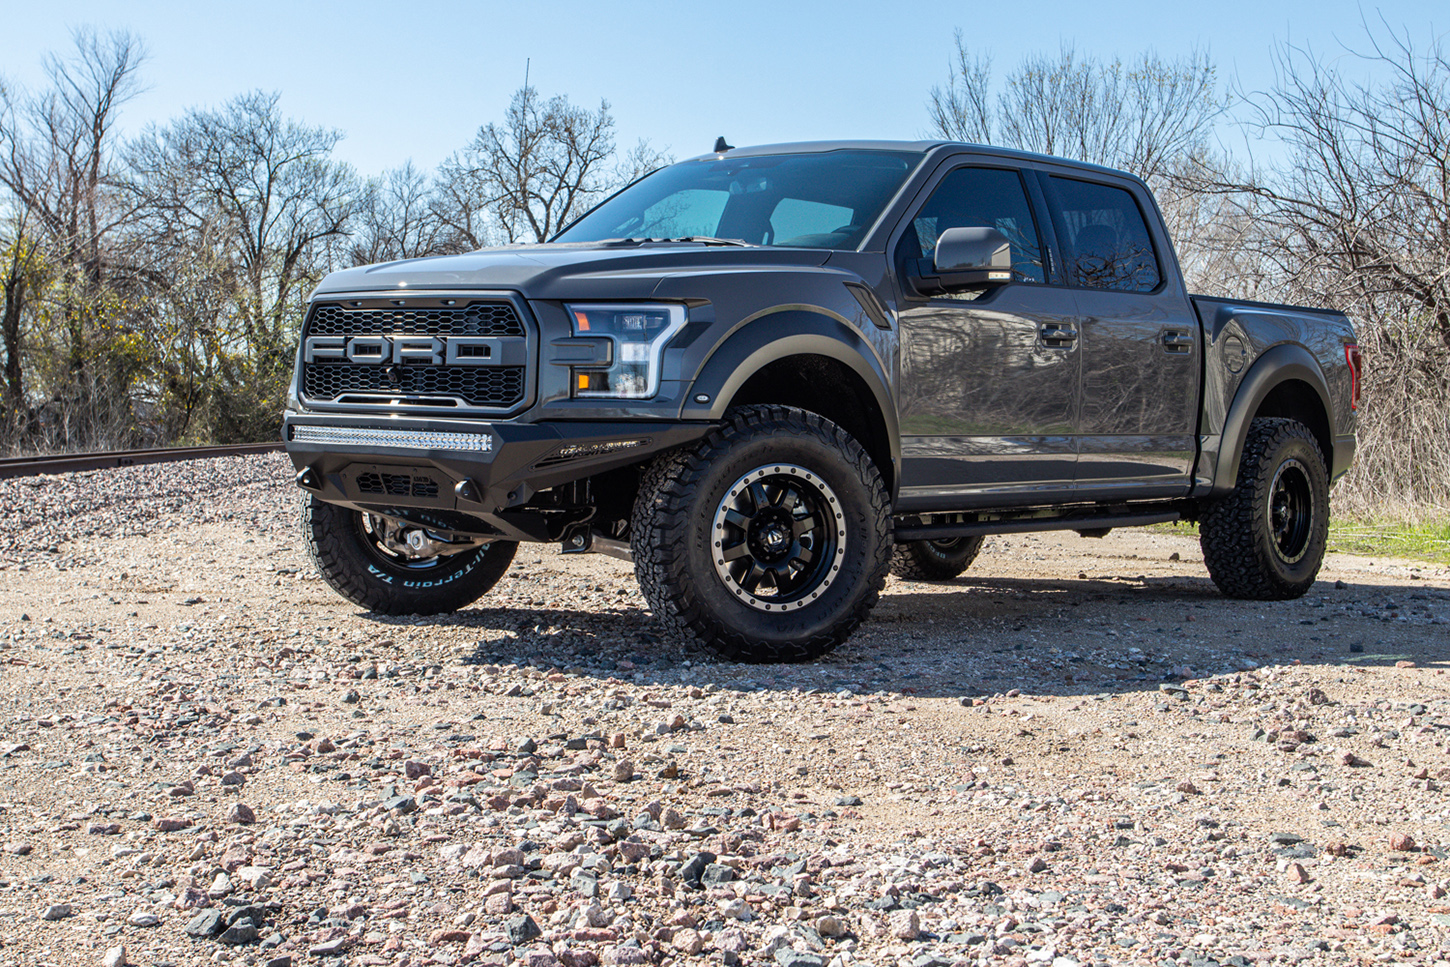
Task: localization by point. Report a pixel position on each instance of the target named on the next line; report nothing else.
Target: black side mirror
(966, 258)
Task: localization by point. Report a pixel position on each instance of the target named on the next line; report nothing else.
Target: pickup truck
(769, 376)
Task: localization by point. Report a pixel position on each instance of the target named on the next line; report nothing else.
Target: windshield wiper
(712, 240)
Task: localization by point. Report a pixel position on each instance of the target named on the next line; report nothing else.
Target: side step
(1087, 524)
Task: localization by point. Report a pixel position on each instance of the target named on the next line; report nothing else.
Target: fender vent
(397, 485)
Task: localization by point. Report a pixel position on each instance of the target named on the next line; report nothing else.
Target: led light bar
(407, 439)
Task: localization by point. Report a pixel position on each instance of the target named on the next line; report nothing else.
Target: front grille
(397, 485)
(413, 382)
(494, 386)
(478, 319)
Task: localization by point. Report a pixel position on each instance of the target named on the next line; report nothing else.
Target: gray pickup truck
(768, 376)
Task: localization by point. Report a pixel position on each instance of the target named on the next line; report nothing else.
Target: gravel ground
(1078, 753)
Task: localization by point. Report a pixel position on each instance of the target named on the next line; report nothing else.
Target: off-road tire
(935, 560)
(1266, 540)
(365, 577)
(684, 496)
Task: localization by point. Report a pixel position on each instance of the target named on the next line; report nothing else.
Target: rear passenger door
(1140, 346)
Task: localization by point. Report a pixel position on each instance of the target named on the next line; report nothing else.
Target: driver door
(989, 388)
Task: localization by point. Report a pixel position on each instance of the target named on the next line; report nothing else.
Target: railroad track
(72, 462)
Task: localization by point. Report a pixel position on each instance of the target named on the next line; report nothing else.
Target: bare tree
(259, 200)
(531, 173)
(58, 164)
(397, 219)
(1359, 219)
(1140, 116)
(22, 273)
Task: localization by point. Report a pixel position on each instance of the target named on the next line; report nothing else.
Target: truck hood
(570, 271)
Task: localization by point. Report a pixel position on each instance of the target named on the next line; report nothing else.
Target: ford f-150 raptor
(770, 375)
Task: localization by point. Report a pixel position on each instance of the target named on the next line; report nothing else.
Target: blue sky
(415, 81)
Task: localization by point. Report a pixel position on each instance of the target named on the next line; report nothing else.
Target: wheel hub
(402, 544)
(778, 537)
(770, 535)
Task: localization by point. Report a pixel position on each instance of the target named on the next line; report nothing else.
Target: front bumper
(464, 476)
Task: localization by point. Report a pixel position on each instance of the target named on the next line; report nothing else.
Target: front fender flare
(779, 334)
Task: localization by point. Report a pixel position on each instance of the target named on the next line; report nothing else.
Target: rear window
(1104, 235)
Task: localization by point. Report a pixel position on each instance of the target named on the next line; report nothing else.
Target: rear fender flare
(1275, 367)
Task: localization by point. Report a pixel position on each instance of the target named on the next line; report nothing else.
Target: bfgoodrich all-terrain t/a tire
(1266, 540)
(935, 560)
(350, 555)
(768, 540)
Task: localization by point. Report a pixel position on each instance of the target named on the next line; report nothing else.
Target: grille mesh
(397, 485)
(475, 385)
(478, 319)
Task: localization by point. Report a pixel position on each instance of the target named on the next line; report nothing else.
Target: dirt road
(1076, 753)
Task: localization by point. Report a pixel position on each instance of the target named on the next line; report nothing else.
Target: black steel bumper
(465, 476)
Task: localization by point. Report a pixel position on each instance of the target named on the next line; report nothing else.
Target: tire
(935, 560)
(712, 523)
(350, 556)
(1266, 540)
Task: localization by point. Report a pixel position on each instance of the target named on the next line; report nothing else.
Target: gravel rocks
(1020, 767)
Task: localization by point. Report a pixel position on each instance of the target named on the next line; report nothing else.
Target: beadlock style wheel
(768, 540)
(1266, 540)
(1291, 510)
(779, 537)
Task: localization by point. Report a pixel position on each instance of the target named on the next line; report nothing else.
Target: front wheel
(768, 540)
(391, 567)
(1266, 540)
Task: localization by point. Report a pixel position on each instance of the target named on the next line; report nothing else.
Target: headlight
(639, 334)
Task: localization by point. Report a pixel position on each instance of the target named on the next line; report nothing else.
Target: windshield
(824, 200)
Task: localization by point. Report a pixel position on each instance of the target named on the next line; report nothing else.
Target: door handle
(1176, 341)
(1057, 335)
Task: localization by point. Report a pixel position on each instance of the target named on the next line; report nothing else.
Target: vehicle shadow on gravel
(982, 636)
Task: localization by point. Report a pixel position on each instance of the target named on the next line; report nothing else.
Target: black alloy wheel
(768, 540)
(1266, 540)
(778, 536)
(939, 560)
(1291, 510)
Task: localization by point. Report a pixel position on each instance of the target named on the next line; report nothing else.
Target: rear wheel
(769, 540)
(935, 560)
(392, 567)
(1266, 540)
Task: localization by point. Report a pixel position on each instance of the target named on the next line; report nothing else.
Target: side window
(1106, 240)
(978, 198)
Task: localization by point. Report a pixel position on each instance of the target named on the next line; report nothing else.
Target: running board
(1087, 525)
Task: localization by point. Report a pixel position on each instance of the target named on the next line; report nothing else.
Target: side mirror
(966, 258)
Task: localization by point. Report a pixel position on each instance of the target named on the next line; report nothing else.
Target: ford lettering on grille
(426, 350)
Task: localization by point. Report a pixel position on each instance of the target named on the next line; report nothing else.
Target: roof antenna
(721, 147)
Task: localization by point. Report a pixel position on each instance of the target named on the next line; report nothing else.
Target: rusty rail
(73, 462)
